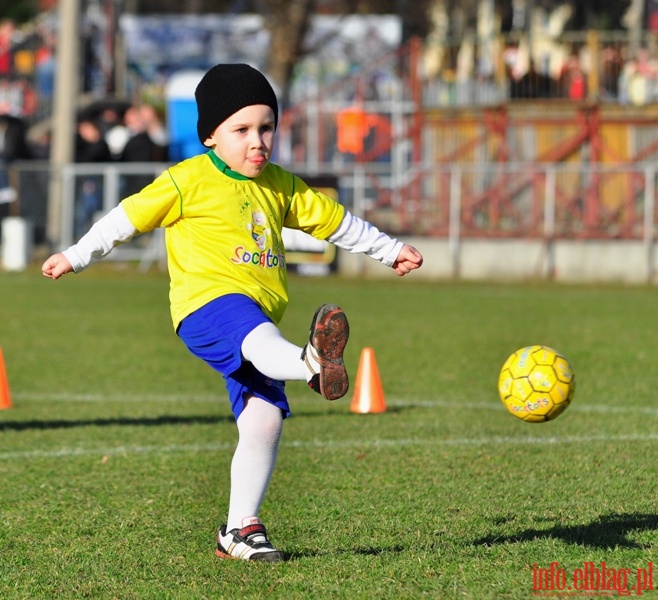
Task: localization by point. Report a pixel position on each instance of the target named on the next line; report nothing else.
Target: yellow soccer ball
(536, 384)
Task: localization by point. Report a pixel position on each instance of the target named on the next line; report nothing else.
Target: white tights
(259, 429)
(260, 423)
(273, 355)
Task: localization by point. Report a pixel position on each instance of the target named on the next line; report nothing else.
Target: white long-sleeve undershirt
(353, 235)
(356, 235)
(106, 234)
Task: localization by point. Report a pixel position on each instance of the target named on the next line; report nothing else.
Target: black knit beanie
(226, 89)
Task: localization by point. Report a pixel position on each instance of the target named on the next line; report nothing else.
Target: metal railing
(537, 201)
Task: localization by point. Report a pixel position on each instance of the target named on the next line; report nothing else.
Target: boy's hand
(56, 266)
(408, 260)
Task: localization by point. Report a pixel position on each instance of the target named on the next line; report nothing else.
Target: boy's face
(244, 141)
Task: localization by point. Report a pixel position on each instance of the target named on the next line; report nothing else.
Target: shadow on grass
(117, 421)
(146, 421)
(297, 412)
(608, 531)
(367, 551)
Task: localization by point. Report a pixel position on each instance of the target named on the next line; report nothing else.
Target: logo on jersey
(259, 229)
(265, 257)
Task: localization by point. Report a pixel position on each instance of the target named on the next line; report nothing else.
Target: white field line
(64, 397)
(328, 445)
(494, 404)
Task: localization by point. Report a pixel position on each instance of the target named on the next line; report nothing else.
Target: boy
(223, 213)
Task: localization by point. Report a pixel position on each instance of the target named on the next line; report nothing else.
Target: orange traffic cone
(5, 398)
(368, 391)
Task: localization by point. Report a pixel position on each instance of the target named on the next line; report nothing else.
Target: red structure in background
(409, 158)
(583, 143)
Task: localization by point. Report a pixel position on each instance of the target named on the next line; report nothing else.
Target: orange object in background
(5, 398)
(368, 391)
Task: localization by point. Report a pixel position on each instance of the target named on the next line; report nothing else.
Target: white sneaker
(248, 543)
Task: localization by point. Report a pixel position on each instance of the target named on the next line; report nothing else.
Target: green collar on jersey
(224, 168)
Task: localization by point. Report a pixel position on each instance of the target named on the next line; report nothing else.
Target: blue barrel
(181, 115)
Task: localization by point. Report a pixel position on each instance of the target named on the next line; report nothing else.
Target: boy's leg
(273, 355)
(259, 429)
(320, 362)
(244, 536)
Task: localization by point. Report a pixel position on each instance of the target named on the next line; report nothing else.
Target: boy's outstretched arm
(356, 235)
(56, 266)
(111, 230)
(408, 260)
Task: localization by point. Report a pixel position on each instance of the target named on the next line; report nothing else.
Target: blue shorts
(215, 333)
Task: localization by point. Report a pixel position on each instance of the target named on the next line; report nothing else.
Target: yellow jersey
(223, 230)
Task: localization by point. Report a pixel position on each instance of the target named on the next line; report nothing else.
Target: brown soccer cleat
(324, 352)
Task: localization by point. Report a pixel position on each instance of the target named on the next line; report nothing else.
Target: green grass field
(115, 455)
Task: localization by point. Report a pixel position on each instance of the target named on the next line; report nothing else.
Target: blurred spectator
(144, 128)
(11, 97)
(116, 136)
(573, 82)
(611, 66)
(638, 82)
(109, 117)
(147, 137)
(157, 131)
(45, 68)
(92, 74)
(13, 146)
(531, 85)
(13, 131)
(7, 38)
(90, 146)
(39, 143)
(28, 97)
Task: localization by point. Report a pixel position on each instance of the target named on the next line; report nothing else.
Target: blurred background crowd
(474, 52)
(385, 83)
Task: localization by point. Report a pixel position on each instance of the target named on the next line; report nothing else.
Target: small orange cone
(368, 391)
(5, 398)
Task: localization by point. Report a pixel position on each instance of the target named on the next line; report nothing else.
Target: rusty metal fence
(538, 201)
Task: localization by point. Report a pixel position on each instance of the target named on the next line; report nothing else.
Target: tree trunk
(287, 22)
